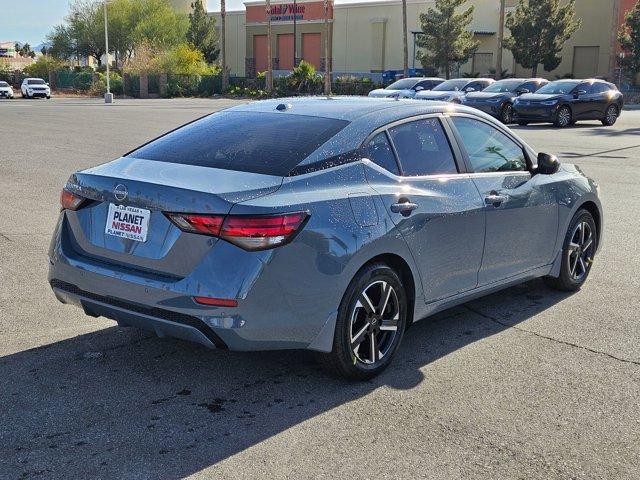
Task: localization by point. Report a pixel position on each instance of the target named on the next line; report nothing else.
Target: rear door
(434, 204)
(602, 96)
(521, 209)
(582, 104)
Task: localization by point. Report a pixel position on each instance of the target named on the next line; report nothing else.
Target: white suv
(35, 87)
(5, 90)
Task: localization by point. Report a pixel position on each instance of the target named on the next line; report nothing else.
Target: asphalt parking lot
(526, 383)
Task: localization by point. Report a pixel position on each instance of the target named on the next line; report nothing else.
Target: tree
(25, 50)
(629, 38)
(445, 36)
(539, 30)
(202, 32)
(405, 45)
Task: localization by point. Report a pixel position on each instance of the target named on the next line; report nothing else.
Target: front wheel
(578, 251)
(506, 114)
(563, 117)
(371, 321)
(610, 116)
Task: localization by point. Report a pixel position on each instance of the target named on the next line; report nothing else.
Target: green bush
(42, 67)
(99, 86)
(352, 85)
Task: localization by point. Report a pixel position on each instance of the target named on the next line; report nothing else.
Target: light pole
(108, 96)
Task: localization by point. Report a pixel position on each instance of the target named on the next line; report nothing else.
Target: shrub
(99, 86)
(42, 67)
(352, 85)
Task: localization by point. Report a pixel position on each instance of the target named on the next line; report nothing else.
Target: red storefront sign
(284, 12)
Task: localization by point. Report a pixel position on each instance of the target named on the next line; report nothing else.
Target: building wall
(236, 40)
(368, 37)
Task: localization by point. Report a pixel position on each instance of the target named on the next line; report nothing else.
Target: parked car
(406, 87)
(564, 102)
(35, 87)
(366, 216)
(453, 90)
(497, 99)
(5, 90)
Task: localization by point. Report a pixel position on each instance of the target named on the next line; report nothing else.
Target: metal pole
(269, 78)
(108, 97)
(295, 24)
(500, 40)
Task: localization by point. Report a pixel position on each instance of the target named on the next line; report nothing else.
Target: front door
(437, 209)
(521, 209)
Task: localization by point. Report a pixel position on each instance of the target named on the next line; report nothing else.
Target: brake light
(70, 201)
(250, 232)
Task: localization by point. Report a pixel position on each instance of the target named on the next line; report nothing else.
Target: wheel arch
(402, 268)
(593, 209)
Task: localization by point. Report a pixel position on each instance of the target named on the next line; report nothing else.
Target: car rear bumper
(271, 314)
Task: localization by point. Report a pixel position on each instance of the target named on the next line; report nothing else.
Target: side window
(489, 149)
(600, 88)
(426, 84)
(584, 86)
(531, 86)
(423, 148)
(477, 86)
(379, 152)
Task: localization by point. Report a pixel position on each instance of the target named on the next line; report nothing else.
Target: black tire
(564, 117)
(610, 116)
(576, 260)
(506, 114)
(349, 359)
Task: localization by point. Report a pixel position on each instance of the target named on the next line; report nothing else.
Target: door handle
(495, 199)
(405, 208)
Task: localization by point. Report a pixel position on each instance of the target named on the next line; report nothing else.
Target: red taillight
(215, 302)
(246, 231)
(70, 201)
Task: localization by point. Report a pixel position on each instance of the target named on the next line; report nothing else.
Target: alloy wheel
(374, 323)
(580, 251)
(564, 117)
(611, 115)
(507, 114)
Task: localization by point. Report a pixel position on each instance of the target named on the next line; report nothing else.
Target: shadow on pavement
(118, 403)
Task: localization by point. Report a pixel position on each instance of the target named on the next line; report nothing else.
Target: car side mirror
(419, 89)
(579, 93)
(547, 164)
(522, 91)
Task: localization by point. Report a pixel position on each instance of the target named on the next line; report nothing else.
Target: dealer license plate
(127, 222)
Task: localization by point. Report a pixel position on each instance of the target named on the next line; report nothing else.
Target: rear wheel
(370, 324)
(506, 114)
(578, 252)
(563, 117)
(610, 116)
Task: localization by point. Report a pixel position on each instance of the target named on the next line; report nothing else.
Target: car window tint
(268, 143)
(477, 86)
(423, 148)
(600, 88)
(379, 152)
(489, 149)
(587, 87)
(426, 84)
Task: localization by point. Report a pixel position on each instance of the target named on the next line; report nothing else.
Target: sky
(31, 20)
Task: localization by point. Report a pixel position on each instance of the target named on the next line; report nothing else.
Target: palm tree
(500, 40)
(223, 44)
(404, 38)
(269, 79)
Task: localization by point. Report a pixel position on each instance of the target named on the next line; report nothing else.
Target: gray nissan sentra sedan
(321, 224)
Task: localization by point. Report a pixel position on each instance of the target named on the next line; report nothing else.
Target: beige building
(367, 37)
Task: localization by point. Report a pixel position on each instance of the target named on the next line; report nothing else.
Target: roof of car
(348, 108)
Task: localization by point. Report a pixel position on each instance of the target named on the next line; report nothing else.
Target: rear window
(267, 143)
